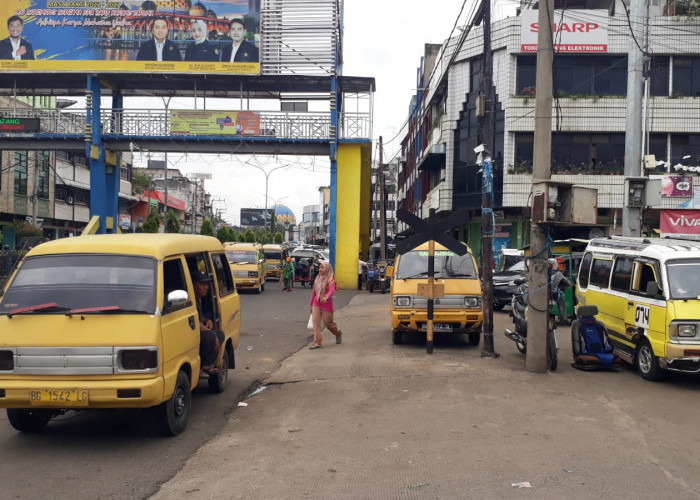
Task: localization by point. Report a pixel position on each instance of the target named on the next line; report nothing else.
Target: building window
(686, 76)
(42, 165)
(685, 149)
(20, 168)
(575, 153)
(658, 74)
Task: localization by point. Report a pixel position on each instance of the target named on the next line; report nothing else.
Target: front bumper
(682, 358)
(460, 321)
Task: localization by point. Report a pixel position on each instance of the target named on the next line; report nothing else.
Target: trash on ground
(241, 403)
(249, 348)
(524, 484)
(258, 390)
(413, 486)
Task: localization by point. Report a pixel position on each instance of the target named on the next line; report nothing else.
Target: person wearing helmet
(288, 274)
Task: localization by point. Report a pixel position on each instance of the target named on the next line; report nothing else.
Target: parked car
(504, 284)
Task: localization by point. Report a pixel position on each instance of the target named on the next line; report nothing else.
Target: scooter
(376, 276)
(519, 306)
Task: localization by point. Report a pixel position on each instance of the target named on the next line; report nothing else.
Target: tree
(249, 236)
(152, 223)
(225, 234)
(172, 223)
(690, 8)
(207, 228)
(278, 237)
(140, 181)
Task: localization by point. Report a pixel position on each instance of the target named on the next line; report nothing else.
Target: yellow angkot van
(110, 321)
(248, 265)
(457, 311)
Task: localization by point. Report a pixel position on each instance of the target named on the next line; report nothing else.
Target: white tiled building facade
(439, 169)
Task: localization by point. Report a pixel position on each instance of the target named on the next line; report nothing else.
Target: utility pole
(35, 187)
(632, 216)
(382, 202)
(487, 128)
(538, 299)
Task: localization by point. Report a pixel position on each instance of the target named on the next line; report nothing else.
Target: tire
(262, 286)
(497, 306)
(521, 347)
(259, 289)
(217, 383)
(397, 337)
(383, 286)
(552, 358)
(474, 338)
(27, 419)
(173, 414)
(647, 363)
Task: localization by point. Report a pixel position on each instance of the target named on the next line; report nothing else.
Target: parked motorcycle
(376, 276)
(519, 307)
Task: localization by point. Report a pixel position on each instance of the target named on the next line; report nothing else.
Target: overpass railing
(156, 123)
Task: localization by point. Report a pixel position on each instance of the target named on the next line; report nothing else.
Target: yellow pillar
(352, 210)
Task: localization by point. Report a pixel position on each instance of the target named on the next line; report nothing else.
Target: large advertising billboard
(205, 122)
(256, 217)
(152, 36)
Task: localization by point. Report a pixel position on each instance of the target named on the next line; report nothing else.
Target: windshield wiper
(103, 310)
(417, 275)
(465, 275)
(48, 307)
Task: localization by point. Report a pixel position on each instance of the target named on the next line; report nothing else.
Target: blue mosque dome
(284, 215)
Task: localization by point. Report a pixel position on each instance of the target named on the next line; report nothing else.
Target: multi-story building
(46, 190)
(440, 169)
(387, 178)
(310, 227)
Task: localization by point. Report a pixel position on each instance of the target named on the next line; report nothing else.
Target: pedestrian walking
(288, 274)
(322, 304)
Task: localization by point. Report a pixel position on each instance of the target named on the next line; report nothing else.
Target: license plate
(59, 397)
(438, 327)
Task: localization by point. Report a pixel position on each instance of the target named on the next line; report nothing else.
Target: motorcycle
(376, 276)
(519, 307)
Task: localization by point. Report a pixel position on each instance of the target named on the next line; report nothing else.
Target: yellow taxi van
(457, 311)
(648, 296)
(111, 321)
(248, 265)
(275, 255)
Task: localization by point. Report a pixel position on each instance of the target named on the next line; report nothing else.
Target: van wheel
(217, 383)
(647, 363)
(27, 419)
(173, 414)
(397, 337)
(259, 289)
(474, 338)
(262, 286)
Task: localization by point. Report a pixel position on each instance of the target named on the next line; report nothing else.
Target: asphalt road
(116, 454)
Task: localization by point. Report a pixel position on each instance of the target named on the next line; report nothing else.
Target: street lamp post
(275, 204)
(267, 179)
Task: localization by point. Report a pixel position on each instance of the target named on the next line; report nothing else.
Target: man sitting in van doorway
(210, 340)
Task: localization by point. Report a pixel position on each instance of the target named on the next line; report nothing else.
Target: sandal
(315, 347)
(339, 338)
(203, 374)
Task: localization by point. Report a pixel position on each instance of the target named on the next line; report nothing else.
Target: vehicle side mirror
(177, 299)
(390, 271)
(653, 289)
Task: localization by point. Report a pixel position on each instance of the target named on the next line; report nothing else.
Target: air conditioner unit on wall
(69, 200)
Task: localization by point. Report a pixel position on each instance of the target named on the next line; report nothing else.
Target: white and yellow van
(248, 265)
(457, 311)
(275, 255)
(110, 321)
(648, 295)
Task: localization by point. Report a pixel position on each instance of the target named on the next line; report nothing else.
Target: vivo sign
(574, 31)
(674, 222)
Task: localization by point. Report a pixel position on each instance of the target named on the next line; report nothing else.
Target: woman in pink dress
(322, 305)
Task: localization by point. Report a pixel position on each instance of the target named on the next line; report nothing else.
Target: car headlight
(138, 359)
(402, 301)
(686, 330)
(252, 274)
(472, 302)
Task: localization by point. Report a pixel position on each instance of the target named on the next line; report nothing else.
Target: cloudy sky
(383, 40)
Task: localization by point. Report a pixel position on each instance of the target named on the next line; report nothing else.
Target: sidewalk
(367, 419)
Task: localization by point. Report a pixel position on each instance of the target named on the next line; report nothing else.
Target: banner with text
(205, 122)
(162, 36)
(680, 222)
(574, 30)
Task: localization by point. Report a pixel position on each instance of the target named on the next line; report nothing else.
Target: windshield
(82, 281)
(517, 267)
(241, 257)
(683, 278)
(273, 255)
(414, 264)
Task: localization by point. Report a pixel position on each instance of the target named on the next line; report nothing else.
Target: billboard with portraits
(145, 36)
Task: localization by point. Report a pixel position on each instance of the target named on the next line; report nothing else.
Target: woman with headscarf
(202, 49)
(322, 305)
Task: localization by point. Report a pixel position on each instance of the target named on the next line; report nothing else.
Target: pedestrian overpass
(343, 132)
